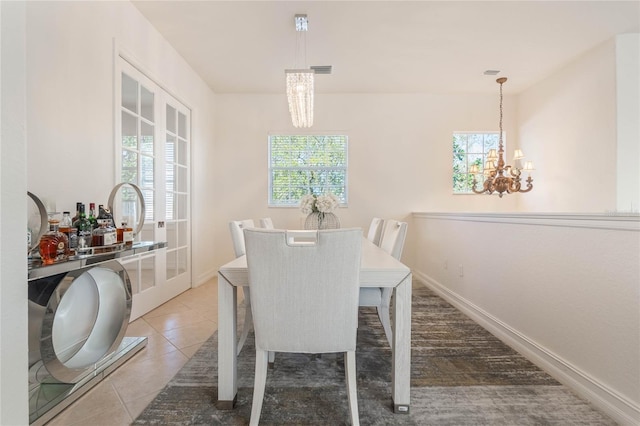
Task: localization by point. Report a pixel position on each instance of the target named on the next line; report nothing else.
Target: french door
(153, 133)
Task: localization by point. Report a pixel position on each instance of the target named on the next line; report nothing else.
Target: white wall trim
(617, 221)
(613, 404)
(204, 277)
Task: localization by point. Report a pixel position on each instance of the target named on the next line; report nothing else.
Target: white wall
(628, 122)
(13, 214)
(567, 126)
(562, 289)
(70, 92)
(400, 157)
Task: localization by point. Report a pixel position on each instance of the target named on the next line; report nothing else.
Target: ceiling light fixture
(299, 80)
(499, 177)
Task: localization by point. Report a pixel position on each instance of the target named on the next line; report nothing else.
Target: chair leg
(248, 320)
(352, 388)
(258, 386)
(272, 359)
(384, 314)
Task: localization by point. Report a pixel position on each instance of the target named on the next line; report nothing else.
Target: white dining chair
(266, 223)
(375, 230)
(391, 241)
(304, 287)
(237, 236)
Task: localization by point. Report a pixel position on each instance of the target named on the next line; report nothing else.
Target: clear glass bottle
(66, 227)
(84, 231)
(65, 222)
(54, 245)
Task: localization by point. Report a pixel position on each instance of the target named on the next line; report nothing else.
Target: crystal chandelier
(300, 81)
(499, 177)
(300, 97)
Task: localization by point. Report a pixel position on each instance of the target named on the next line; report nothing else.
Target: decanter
(54, 245)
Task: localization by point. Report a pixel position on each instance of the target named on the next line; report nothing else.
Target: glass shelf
(38, 270)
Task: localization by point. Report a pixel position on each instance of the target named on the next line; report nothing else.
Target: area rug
(460, 375)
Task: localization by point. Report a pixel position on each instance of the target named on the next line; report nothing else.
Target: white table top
(378, 268)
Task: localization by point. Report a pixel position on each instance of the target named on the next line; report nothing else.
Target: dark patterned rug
(461, 375)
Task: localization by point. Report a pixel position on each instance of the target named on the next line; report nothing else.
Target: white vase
(319, 220)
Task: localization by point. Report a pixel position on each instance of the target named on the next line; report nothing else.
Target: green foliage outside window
(306, 164)
(468, 149)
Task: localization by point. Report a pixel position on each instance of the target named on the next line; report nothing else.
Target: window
(470, 148)
(304, 164)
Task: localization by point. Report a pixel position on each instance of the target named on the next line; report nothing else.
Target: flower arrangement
(325, 203)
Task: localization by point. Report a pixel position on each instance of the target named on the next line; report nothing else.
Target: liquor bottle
(54, 245)
(65, 222)
(125, 234)
(73, 219)
(105, 214)
(66, 227)
(92, 216)
(105, 234)
(84, 231)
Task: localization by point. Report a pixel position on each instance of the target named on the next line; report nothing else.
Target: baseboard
(619, 408)
(203, 278)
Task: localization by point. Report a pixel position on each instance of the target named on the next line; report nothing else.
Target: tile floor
(175, 331)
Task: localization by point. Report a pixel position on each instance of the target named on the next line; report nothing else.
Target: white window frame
(468, 155)
(323, 168)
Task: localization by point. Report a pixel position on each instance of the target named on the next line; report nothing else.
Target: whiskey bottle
(125, 234)
(105, 234)
(73, 219)
(54, 245)
(84, 231)
(66, 227)
(105, 214)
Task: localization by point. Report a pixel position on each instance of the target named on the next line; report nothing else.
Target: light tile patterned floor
(175, 331)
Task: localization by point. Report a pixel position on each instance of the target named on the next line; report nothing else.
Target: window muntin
(137, 130)
(471, 148)
(304, 164)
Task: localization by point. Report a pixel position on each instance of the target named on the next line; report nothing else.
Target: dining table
(377, 269)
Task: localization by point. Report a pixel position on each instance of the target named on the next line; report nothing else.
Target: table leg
(227, 361)
(401, 357)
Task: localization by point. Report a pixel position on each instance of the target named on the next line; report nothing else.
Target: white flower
(307, 203)
(325, 203)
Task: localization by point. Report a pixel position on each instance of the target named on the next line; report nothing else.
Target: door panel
(153, 137)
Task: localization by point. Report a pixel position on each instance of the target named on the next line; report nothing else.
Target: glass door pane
(177, 190)
(153, 132)
(138, 145)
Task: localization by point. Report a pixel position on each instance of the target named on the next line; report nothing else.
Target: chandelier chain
(501, 142)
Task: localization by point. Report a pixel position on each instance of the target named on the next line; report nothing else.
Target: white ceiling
(387, 46)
